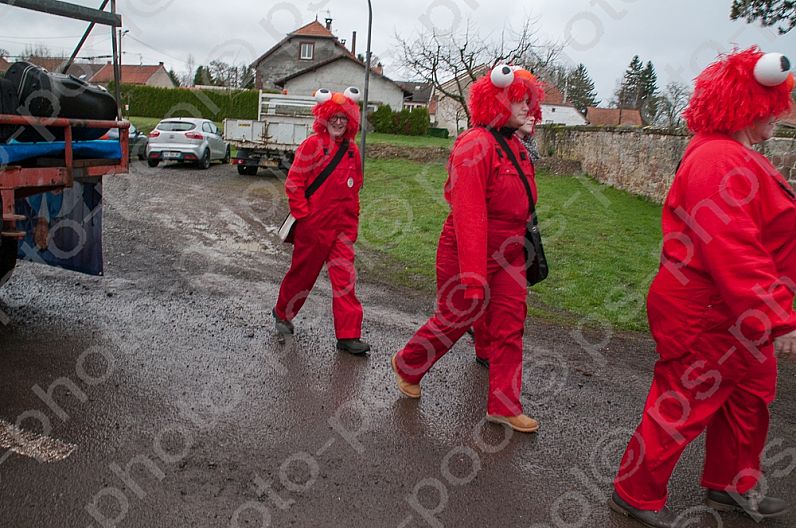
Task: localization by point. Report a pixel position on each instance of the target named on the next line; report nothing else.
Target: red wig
(490, 105)
(728, 96)
(338, 103)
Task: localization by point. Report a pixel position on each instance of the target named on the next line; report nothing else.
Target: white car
(186, 139)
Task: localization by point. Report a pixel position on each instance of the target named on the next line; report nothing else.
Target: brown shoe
(409, 389)
(521, 422)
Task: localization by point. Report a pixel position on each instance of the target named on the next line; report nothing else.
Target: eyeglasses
(339, 119)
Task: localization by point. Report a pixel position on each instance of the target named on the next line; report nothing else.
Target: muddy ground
(164, 399)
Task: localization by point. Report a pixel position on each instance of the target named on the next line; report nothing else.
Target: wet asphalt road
(184, 410)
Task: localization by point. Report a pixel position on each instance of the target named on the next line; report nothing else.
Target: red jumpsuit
(480, 267)
(324, 233)
(723, 292)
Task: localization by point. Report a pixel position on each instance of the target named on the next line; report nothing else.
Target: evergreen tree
(648, 98)
(769, 12)
(629, 91)
(580, 89)
(174, 77)
(202, 76)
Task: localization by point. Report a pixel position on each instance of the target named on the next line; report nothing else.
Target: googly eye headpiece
(772, 69)
(491, 96)
(738, 89)
(334, 103)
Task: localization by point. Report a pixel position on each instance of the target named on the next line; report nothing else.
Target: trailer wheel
(247, 170)
(8, 258)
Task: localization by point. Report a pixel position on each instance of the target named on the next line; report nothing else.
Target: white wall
(561, 115)
(341, 74)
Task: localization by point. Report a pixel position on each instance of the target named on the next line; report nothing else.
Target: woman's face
(761, 130)
(337, 125)
(519, 114)
(527, 127)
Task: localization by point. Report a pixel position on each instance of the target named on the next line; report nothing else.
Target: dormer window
(306, 50)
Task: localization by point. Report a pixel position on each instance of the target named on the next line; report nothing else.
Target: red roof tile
(131, 74)
(552, 95)
(610, 116)
(313, 29)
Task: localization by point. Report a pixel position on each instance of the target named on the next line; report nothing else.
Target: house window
(307, 50)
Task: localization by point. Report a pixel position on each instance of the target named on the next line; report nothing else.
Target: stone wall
(636, 160)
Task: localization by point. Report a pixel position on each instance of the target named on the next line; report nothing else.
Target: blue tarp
(103, 149)
(63, 228)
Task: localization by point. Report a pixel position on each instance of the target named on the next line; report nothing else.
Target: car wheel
(204, 163)
(152, 162)
(225, 161)
(8, 258)
(251, 170)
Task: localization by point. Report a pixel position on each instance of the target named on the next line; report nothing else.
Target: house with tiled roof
(142, 75)
(555, 111)
(311, 57)
(79, 69)
(613, 117)
(308, 46)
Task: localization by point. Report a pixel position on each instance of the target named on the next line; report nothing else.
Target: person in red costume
(481, 255)
(327, 222)
(721, 305)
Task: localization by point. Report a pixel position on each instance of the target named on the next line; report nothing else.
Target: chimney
(160, 63)
(378, 69)
(329, 24)
(354, 44)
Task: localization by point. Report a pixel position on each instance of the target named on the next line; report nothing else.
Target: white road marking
(36, 446)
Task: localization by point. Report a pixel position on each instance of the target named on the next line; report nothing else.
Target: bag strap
(341, 150)
(505, 146)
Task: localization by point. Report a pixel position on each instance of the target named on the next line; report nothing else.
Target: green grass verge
(601, 243)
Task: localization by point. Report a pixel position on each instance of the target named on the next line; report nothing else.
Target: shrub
(438, 132)
(408, 122)
(147, 101)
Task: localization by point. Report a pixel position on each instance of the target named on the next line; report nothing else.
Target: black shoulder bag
(286, 229)
(536, 269)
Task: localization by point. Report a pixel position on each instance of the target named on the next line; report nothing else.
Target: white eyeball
(323, 95)
(352, 92)
(772, 69)
(502, 75)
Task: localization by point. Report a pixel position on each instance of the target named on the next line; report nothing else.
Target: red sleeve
(470, 164)
(301, 173)
(725, 200)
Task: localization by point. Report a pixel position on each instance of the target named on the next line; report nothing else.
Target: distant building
(556, 112)
(312, 57)
(613, 117)
(308, 46)
(420, 94)
(145, 75)
(337, 74)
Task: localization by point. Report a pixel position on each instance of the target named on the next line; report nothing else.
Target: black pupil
(784, 63)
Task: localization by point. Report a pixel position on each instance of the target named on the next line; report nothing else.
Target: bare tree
(672, 103)
(451, 62)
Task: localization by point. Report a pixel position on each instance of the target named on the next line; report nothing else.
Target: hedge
(408, 122)
(147, 101)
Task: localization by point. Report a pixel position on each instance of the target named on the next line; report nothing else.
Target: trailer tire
(8, 258)
(152, 162)
(247, 170)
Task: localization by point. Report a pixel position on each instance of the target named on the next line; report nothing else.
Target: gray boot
(650, 518)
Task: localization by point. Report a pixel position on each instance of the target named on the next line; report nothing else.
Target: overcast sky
(680, 37)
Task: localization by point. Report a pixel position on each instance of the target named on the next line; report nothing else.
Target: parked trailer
(44, 182)
(51, 172)
(283, 122)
